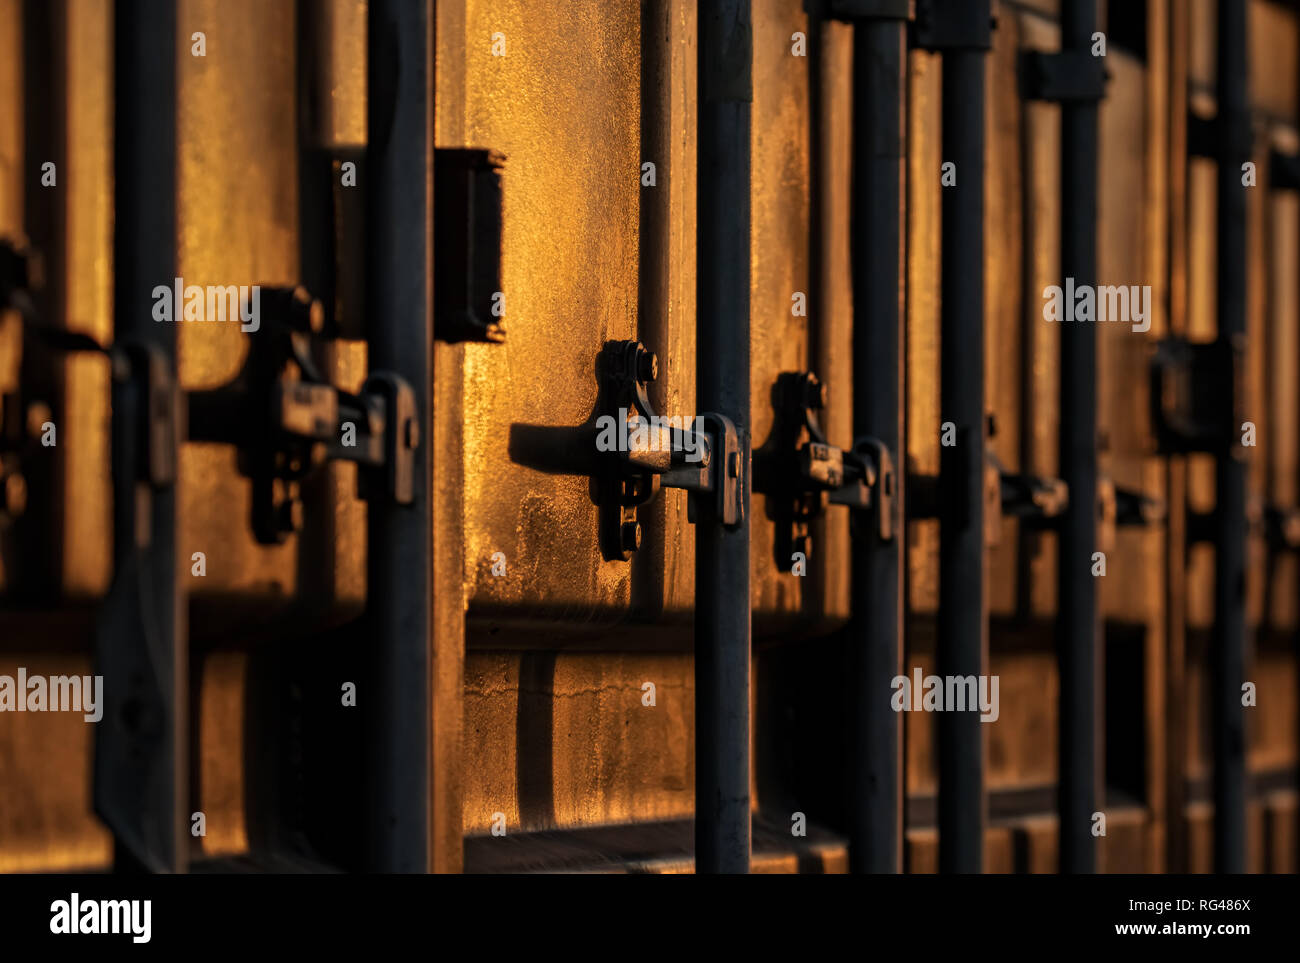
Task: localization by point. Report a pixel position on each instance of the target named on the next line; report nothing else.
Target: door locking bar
(648, 452)
(800, 472)
(285, 419)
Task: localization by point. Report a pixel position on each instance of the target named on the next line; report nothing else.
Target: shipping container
(793, 436)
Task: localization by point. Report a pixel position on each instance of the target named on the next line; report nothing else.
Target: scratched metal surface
(562, 104)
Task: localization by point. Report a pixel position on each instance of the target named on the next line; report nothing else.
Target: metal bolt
(629, 536)
(647, 365)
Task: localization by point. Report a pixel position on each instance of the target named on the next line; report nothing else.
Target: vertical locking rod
(1077, 625)
(722, 614)
(399, 165)
(877, 230)
(1227, 666)
(963, 592)
(141, 745)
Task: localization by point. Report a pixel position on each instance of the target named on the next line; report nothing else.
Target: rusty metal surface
(46, 822)
(566, 740)
(87, 297)
(562, 105)
(1131, 590)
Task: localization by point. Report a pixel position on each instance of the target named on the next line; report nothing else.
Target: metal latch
(1037, 500)
(800, 472)
(1033, 498)
(1124, 508)
(285, 419)
(646, 452)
